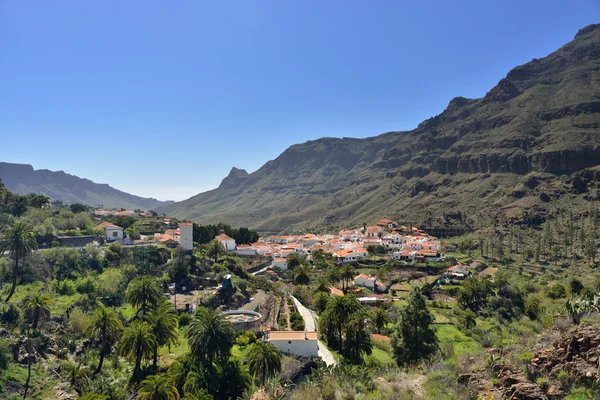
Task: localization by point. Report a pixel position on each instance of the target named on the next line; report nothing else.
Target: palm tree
(302, 277)
(380, 318)
(295, 259)
(358, 337)
(105, 326)
(320, 301)
(37, 308)
(215, 249)
(137, 342)
(264, 360)
(339, 309)
(143, 292)
(210, 336)
(234, 380)
(322, 286)
(158, 387)
(333, 275)
(163, 320)
(347, 274)
(19, 241)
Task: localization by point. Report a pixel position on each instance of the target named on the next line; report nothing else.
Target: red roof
(222, 237)
(377, 336)
(107, 224)
(335, 291)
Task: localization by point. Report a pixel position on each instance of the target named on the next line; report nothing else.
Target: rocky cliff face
(542, 118)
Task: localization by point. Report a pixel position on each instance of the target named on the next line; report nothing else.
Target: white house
(303, 344)
(186, 239)
(365, 281)
(245, 250)
(349, 235)
(112, 232)
(227, 242)
(280, 263)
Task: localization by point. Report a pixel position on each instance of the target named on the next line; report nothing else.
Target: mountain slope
(514, 150)
(23, 179)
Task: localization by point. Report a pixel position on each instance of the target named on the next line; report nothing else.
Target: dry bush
(78, 320)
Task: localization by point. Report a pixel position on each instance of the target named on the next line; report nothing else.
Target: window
(289, 342)
(115, 234)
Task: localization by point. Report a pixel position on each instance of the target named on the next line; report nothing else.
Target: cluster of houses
(127, 213)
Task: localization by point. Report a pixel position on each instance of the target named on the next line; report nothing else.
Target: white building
(186, 235)
(365, 281)
(303, 344)
(245, 250)
(280, 263)
(227, 242)
(112, 232)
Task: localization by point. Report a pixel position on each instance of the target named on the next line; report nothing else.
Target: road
(310, 325)
(260, 270)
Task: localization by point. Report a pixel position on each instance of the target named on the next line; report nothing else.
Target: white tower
(186, 235)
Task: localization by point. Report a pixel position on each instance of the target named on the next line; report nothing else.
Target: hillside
(58, 185)
(533, 138)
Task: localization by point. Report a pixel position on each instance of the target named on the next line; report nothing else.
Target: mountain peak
(587, 29)
(236, 175)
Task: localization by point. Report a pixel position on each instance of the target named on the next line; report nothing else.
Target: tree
(380, 318)
(467, 319)
(347, 275)
(576, 286)
(533, 306)
(322, 286)
(138, 343)
(234, 380)
(358, 337)
(163, 320)
(474, 294)
(414, 338)
(215, 249)
(336, 315)
(333, 275)
(104, 326)
(19, 241)
(18, 205)
(158, 387)
(301, 275)
(294, 260)
(37, 308)
(211, 336)
(320, 301)
(143, 292)
(264, 360)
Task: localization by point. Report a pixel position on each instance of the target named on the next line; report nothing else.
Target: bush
(184, 319)
(245, 338)
(558, 291)
(10, 314)
(296, 321)
(78, 321)
(5, 354)
(86, 285)
(65, 288)
(542, 383)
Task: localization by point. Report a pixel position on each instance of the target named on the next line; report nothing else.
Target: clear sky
(162, 98)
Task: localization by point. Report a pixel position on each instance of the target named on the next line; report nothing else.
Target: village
(386, 240)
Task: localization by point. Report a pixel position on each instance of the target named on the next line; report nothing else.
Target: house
(245, 250)
(404, 254)
(373, 231)
(365, 281)
(458, 271)
(351, 236)
(335, 291)
(186, 235)
(280, 263)
(227, 242)
(304, 344)
(112, 232)
(386, 223)
(168, 241)
(347, 256)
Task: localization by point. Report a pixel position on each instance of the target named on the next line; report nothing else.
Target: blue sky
(162, 98)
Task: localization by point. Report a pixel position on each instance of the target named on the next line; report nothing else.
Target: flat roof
(292, 335)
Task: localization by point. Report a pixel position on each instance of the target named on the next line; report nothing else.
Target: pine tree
(414, 337)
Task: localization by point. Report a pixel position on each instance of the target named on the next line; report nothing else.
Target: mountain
(23, 179)
(533, 139)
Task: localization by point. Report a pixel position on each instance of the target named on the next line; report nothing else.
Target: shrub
(245, 338)
(558, 291)
(86, 285)
(10, 314)
(542, 383)
(78, 320)
(65, 288)
(296, 321)
(5, 354)
(184, 319)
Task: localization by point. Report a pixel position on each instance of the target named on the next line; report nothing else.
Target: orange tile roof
(185, 224)
(335, 291)
(377, 336)
(292, 335)
(223, 236)
(107, 224)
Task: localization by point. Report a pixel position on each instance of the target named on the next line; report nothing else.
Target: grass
(463, 344)
(127, 310)
(62, 303)
(381, 357)
(239, 352)
(22, 291)
(166, 357)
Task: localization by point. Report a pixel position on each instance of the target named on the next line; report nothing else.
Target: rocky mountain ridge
(542, 119)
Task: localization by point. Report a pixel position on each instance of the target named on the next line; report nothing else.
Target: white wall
(186, 237)
(304, 348)
(110, 233)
